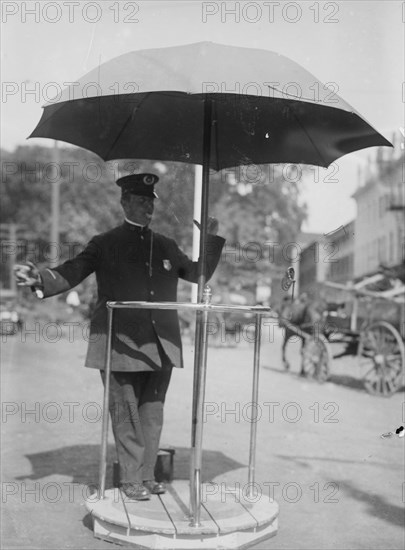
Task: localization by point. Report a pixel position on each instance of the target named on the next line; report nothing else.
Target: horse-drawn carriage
(367, 324)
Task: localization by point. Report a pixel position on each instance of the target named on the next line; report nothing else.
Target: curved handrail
(223, 308)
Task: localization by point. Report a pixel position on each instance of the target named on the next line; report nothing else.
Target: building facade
(313, 266)
(340, 258)
(379, 226)
(375, 238)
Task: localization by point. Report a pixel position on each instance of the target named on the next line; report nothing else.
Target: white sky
(359, 46)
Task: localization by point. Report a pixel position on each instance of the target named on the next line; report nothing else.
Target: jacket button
(146, 263)
(152, 292)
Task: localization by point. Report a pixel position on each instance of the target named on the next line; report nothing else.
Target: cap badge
(149, 180)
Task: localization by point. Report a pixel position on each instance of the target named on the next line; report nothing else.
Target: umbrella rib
(308, 136)
(283, 93)
(123, 127)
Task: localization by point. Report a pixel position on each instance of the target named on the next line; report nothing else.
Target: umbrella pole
(201, 344)
(205, 197)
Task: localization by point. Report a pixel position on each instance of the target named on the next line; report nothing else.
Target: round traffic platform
(229, 519)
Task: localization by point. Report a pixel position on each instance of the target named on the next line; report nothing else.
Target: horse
(303, 314)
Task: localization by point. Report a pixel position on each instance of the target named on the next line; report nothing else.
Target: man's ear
(125, 199)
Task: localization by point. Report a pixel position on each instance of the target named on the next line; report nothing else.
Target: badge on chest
(167, 265)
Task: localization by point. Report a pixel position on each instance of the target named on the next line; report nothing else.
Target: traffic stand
(188, 515)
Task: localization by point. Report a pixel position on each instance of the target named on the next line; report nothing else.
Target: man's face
(138, 209)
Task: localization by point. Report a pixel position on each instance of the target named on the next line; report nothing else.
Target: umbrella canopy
(151, 104)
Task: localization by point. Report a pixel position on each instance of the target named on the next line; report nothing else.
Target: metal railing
(200, 368)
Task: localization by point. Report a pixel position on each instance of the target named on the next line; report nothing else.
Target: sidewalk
(319, 450)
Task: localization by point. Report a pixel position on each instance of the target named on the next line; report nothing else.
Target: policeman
(132, 263)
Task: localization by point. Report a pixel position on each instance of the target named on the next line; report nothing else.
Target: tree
(254, 206)
(261, 214)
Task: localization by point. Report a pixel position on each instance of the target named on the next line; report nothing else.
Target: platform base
(228, 520)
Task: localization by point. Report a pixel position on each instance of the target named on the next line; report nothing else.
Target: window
(383, 250)
(391, 247)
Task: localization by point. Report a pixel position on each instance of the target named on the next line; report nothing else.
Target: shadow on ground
(214, 463)
(81, 463)
(353, 383)
(339, 380)
(344, 380)
(307, 461)
(377, 506)
(347, 381)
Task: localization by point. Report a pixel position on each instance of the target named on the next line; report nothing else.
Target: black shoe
(154, 487)
(136, 491)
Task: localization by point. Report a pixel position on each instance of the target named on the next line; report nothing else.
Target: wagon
(369, 325)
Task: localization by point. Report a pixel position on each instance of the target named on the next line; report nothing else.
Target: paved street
(320, 455)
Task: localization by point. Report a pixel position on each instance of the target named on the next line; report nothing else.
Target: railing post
(106, 404)
(255, 394)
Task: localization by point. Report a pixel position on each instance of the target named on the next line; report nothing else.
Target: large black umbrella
(209, 104)
(150, 104)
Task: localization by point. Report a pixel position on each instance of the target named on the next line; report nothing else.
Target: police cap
(139, 184)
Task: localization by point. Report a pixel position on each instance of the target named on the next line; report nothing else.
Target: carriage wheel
(382, 350)
(317, 358)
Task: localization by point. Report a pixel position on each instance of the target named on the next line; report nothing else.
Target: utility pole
(9, 250)
(13, 240)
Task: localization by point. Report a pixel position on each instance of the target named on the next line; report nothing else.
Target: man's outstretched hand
(27, 274)
(212, 225)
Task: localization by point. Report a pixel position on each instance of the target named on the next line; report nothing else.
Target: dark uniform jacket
(132, 264)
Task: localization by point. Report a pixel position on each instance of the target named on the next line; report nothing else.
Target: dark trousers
(136, 409)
